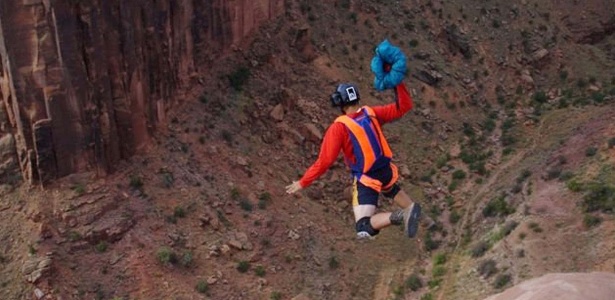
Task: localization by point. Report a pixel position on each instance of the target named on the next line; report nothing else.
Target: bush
(260, 271)
(479, 249)
(591, 151)
(427, 296)
(535, 227)
(438, 271)
(179, 212)
(454, 217)
(574, 185)
(239, 77)
(439, 259)
(599, 197)
(540, 97)
(202, 287)
(246, 205)
(611, 142)
(501, 281)
(102, 246)
(275, 295)
(487, 268)
(414, 282)
(497, 207)
(166, 256)
(136, 182)
(333, 262)
(187, 260)
(430, 243)
(263, 200)
(243, 266)
(459, 174)
(590, 220)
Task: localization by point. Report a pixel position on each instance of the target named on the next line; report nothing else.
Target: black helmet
(345, 94)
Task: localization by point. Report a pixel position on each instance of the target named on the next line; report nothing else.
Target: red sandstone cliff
(83, 84)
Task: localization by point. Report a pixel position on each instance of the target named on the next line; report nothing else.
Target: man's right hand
(294, 187)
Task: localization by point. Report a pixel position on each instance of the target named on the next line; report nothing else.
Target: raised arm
(389, 112)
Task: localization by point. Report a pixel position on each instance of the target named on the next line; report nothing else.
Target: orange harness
(370, 148)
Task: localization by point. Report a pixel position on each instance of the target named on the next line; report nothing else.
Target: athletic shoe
(363, 235)
(411, 219)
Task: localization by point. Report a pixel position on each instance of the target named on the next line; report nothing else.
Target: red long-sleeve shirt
(337, 138)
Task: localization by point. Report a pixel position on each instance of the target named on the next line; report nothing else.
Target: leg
(409, 214)
(377, 221)
(399, 196)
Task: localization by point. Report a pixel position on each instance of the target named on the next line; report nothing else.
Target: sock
(397, 217)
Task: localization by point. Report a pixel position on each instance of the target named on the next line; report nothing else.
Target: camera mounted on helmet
(345, 94)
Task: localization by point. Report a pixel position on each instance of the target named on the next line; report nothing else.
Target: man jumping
(358, 134)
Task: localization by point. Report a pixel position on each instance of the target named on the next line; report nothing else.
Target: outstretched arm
(329, 150)
(390, 112)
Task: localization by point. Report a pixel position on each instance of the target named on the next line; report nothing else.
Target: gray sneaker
(363, 235)
(411, 219)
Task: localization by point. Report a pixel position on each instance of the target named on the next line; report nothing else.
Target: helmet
(345, 94)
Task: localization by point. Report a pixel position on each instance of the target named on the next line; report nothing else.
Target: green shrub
(333, 262)
(590, 220)
(540, 97)
(413, 43)
(598, 97)
(239, 77)
(260, 271)
(414, 282)
(574, 185)
(489, 125)
(179, 212)
(79, 189)
(487, 268)
(501, 281)
(591, 151)
(454, 217)
(439, 259)
(459, 174)
(535, 227)
(427, 296)
(263, 200)
(611, 142)
(166, 256)
(246, 205)
(243, 266)
(136, 182)
(275, 295)
(497, 207)
(187, 260)
(202, 287)
(430, 243)
(479, 249)
(599, 197)
(74, 236)
(101, 246)
(438, 271)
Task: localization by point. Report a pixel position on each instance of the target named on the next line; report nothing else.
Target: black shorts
(362, 194)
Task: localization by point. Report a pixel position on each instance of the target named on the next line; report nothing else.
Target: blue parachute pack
(388, 55)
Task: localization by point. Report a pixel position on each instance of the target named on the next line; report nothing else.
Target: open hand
(294, 187)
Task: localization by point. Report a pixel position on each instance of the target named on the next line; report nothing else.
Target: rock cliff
(84, 83)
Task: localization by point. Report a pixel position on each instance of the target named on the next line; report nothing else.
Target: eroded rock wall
(84, 83)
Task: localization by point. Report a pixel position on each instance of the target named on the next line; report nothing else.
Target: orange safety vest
(370, 148)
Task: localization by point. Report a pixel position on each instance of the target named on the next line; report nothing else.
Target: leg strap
(365, 225)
